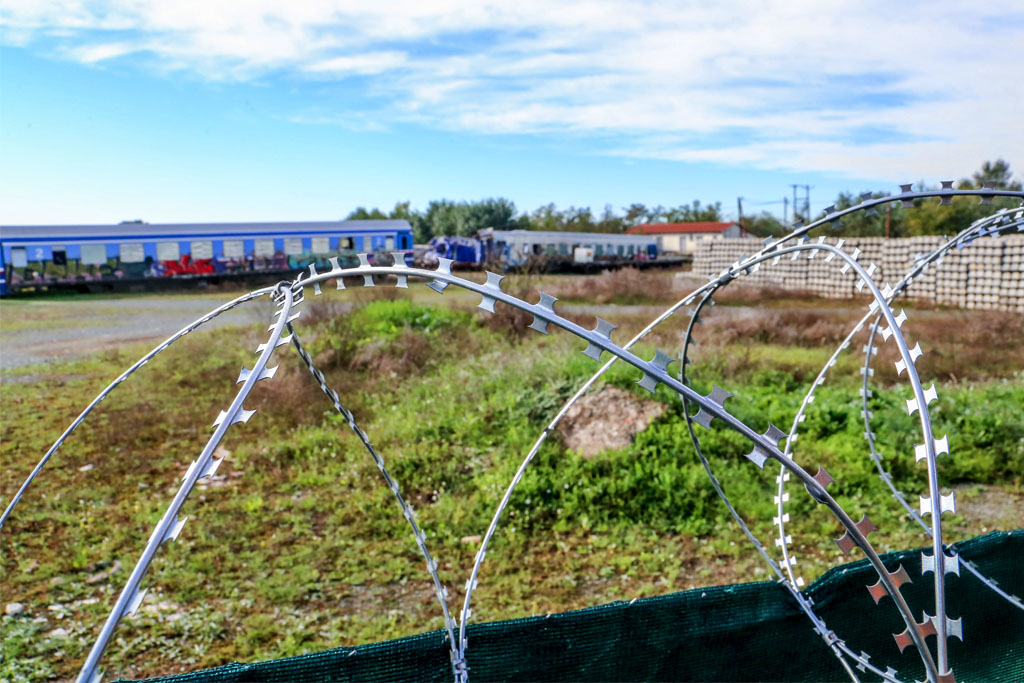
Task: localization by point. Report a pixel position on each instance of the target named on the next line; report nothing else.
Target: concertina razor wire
(767, 445)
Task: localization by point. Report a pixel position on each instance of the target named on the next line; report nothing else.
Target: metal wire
(654, 372)
(996, 224)
(758, 458)
(169, 526)
(837, 646)
(865, 525)
(1002, 221)
(421, 540)
(113, 385)
(939, 622)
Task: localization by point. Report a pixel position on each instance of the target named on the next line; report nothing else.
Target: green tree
(445, 217)
(928, 216)
(695, 213)
(402, 211)
(578, 219)
(869, 223)
(764, 225)
(932, 218)
(996, 172)
(635, 213)
(362, 214)
(546, 217)
(498, 213)
(609, 222)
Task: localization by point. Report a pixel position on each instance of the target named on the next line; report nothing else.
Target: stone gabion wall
(988, 274)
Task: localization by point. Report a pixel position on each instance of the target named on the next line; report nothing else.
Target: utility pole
(739, 205)
(785, 209)
(806, 203)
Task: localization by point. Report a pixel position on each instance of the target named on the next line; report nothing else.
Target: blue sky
(193, 110)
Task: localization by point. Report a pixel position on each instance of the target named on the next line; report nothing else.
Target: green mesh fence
(745, 632)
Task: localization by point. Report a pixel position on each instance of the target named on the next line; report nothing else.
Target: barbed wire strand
(407, 511)
(169, 525)
(113, 385)
(654, 372)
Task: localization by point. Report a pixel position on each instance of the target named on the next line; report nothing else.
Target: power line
(806, 203)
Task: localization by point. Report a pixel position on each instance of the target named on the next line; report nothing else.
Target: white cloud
(367, 63)
(91, 54)
(865, 88)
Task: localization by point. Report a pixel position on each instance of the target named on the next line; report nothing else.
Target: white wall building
(683, 238)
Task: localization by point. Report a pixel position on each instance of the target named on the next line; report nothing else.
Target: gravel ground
(38, 331)
(34, 331)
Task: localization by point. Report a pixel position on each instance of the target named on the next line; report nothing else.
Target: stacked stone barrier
(1011, 278)
(989, 275)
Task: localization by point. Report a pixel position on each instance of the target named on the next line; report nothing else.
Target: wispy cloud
(98, 52)
(363, 64)
(851, 87)
(360, 121)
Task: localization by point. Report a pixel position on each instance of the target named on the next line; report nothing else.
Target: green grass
(297, 546)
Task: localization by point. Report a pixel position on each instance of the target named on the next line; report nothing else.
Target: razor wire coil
(766, 445)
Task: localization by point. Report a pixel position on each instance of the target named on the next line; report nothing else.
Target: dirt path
(38, 331)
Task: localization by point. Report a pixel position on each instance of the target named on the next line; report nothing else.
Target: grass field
(295, 545)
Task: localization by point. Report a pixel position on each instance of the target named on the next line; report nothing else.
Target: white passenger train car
(523, 245)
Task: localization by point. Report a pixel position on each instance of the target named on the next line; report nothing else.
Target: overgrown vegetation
(295, 546)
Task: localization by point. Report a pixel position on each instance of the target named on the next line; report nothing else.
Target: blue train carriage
(75, 256)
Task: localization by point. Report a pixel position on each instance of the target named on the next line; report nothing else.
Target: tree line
(446, 217)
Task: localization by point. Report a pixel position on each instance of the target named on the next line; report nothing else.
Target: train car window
(346, 243)
(293, 246)
(263, 248)
(201, 250)
(60, 255)
(131, 252)
(19, 257)
(167, 251)
(321, 245)
(94, 254)
(234, 249)
(38, 253)
(389, 243)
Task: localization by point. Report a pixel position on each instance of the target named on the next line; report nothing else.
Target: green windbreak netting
(746, 632)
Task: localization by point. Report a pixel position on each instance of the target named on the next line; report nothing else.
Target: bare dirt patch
(989, 508)
(607, 420)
